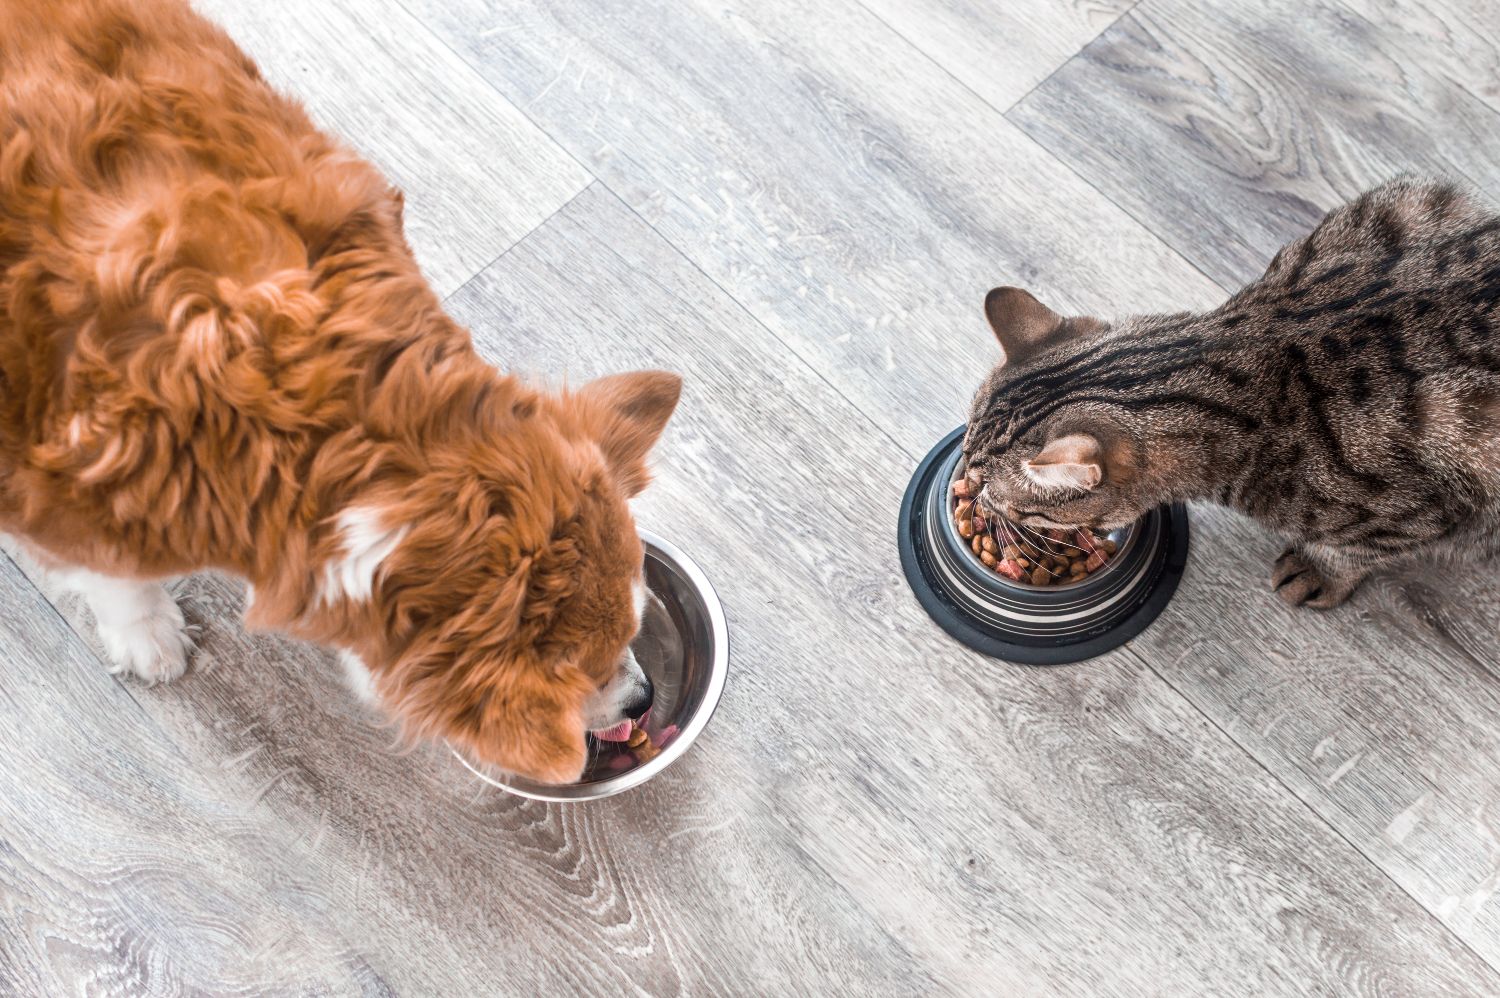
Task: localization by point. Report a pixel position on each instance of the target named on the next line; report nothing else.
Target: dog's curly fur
(215, 346)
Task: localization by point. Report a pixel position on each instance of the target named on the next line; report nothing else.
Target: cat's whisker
(1037, 537)
(1012, 533)
(1011, 536)
(1075, 547)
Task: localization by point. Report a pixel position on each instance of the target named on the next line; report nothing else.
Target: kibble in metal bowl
(1022, 554)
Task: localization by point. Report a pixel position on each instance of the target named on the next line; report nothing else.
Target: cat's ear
(1075, 461)
(1022, 324)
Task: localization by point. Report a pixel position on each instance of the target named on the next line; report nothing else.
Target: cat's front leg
(1316, 577)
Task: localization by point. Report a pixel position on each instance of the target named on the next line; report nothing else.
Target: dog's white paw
(357, 675)
(151, 643)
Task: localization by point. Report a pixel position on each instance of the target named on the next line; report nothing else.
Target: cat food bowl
(684, 647)
(1012, 619)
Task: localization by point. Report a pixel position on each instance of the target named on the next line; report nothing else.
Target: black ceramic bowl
(1034, 625)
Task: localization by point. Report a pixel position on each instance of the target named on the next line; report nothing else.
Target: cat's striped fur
(1349, 398)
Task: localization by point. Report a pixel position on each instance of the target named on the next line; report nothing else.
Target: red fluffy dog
(216, 351)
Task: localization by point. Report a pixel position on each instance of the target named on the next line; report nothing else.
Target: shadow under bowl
(1019, 622)
(684, 648)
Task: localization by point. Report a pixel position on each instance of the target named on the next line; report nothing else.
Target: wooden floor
(800, 206)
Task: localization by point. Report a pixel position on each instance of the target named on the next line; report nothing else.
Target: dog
(217, 352)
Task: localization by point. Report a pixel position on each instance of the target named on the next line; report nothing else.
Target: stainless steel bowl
(684, 647)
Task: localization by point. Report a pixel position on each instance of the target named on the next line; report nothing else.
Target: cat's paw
(1301, 583)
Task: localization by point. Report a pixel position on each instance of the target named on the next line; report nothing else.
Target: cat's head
(1051, 452)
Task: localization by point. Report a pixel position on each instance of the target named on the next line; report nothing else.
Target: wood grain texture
(477, 175)
(1231, 128)
(1459, 39)
(943, 868)
(124, 870)
(1383, 716)
(1239, 129)
(848, 192)
(1000, 49)
(452, 888)
(872, 808)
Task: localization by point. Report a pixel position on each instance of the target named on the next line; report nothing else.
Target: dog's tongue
(619, 733)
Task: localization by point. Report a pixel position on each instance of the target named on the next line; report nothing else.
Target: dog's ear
(529, 726)
(541, 737)
(499, 702)
(627, 414)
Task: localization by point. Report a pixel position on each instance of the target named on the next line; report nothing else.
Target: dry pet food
(640, 744)
(1025, 554)
(638, 747)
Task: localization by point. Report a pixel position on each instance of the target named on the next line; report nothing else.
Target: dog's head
(493, 594)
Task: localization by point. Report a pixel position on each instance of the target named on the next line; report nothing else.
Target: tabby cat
(1349, 399)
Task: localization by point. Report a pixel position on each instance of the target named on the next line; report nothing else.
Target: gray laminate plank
(476, 173)
(1459, 39)
(852, 194)
(1324, 58)
(1229, 128)
(873, 808)
(999, 49)
(450, 889)
(1384, 716)
(986, 839)
(123, 869)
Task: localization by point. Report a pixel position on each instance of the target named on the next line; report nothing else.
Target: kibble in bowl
(1024, 555)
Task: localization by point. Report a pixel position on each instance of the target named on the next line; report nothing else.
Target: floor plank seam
(479, 73)
(529, 233)
(879, 428)
(1450, 168)
(1429, 619)
(1124, 211)
(1308, 806)
(792, 351)
(87, 647)
(525, 113)
(949, 73)
(1005, 113)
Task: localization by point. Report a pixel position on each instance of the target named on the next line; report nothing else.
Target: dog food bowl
(1033, 625)
(684, 648)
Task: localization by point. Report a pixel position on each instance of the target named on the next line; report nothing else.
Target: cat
(1348, 399)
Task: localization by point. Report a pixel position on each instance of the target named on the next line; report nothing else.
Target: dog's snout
(644, 697)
